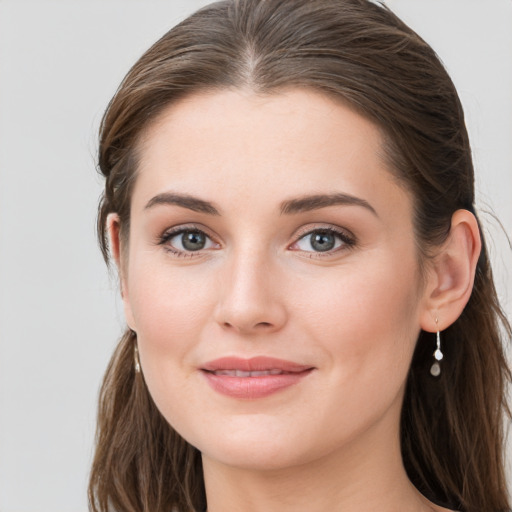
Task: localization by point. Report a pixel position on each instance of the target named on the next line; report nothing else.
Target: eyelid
(171, 232)
(347, 237)
(311, 228)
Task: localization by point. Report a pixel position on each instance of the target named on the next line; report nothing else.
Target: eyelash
(170, 234)
(348, 241)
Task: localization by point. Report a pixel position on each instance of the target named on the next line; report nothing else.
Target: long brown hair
(452, 427)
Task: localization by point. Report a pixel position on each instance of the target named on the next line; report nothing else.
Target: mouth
(253, 367)
(253, 378)
(241, 373)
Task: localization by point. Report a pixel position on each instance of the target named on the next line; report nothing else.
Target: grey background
(60, 315)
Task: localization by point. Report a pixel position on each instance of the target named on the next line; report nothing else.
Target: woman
(312, 320)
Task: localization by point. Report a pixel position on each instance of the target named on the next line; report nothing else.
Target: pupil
(322, 242)
(193, 240)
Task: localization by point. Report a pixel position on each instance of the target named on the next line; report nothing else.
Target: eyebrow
(291, 206)
(317, 201)
(184, 200)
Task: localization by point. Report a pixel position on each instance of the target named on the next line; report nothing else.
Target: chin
(253, 444)
(258, 457)
(262, 444)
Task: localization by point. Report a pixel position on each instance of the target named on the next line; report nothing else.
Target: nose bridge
(249, 299)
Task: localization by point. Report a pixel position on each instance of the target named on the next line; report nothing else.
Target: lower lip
(253, 387)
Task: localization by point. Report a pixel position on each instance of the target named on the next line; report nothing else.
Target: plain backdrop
(60, 314)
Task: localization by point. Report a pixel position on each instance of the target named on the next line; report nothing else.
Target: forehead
(235, 144)
(243, 119)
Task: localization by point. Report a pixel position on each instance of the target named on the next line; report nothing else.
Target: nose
(251, 296)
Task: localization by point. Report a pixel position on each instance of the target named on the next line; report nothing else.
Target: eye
(323, 240)
(186, 240)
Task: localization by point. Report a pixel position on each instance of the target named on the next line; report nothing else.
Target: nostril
(229, 325)
(264, 324)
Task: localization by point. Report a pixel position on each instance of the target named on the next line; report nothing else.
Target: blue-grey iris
(193, 240)
(322, 241)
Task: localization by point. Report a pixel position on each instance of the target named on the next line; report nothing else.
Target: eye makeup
(316, 241)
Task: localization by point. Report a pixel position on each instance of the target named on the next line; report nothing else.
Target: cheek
(367, 319)
(166, 300)
(170, 309)
(366, 324)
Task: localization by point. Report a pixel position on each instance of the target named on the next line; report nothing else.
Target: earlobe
(114, 229)
(452, 273)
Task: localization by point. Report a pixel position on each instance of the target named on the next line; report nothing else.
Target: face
(272, 277)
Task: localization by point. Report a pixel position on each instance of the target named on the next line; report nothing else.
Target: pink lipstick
(253, 378)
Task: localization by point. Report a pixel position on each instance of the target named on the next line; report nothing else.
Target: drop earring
(435, 369)
(136, 360)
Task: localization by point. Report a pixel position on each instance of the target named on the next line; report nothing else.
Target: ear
(452, 273)
(114, 229)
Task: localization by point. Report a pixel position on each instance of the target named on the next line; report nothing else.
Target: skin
(258, 287)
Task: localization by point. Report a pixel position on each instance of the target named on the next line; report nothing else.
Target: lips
(241, 373)
(254, 364)
(253, 378)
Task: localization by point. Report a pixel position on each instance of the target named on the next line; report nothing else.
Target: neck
(366, 474)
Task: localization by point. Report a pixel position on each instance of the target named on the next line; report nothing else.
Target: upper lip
(254, 364)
